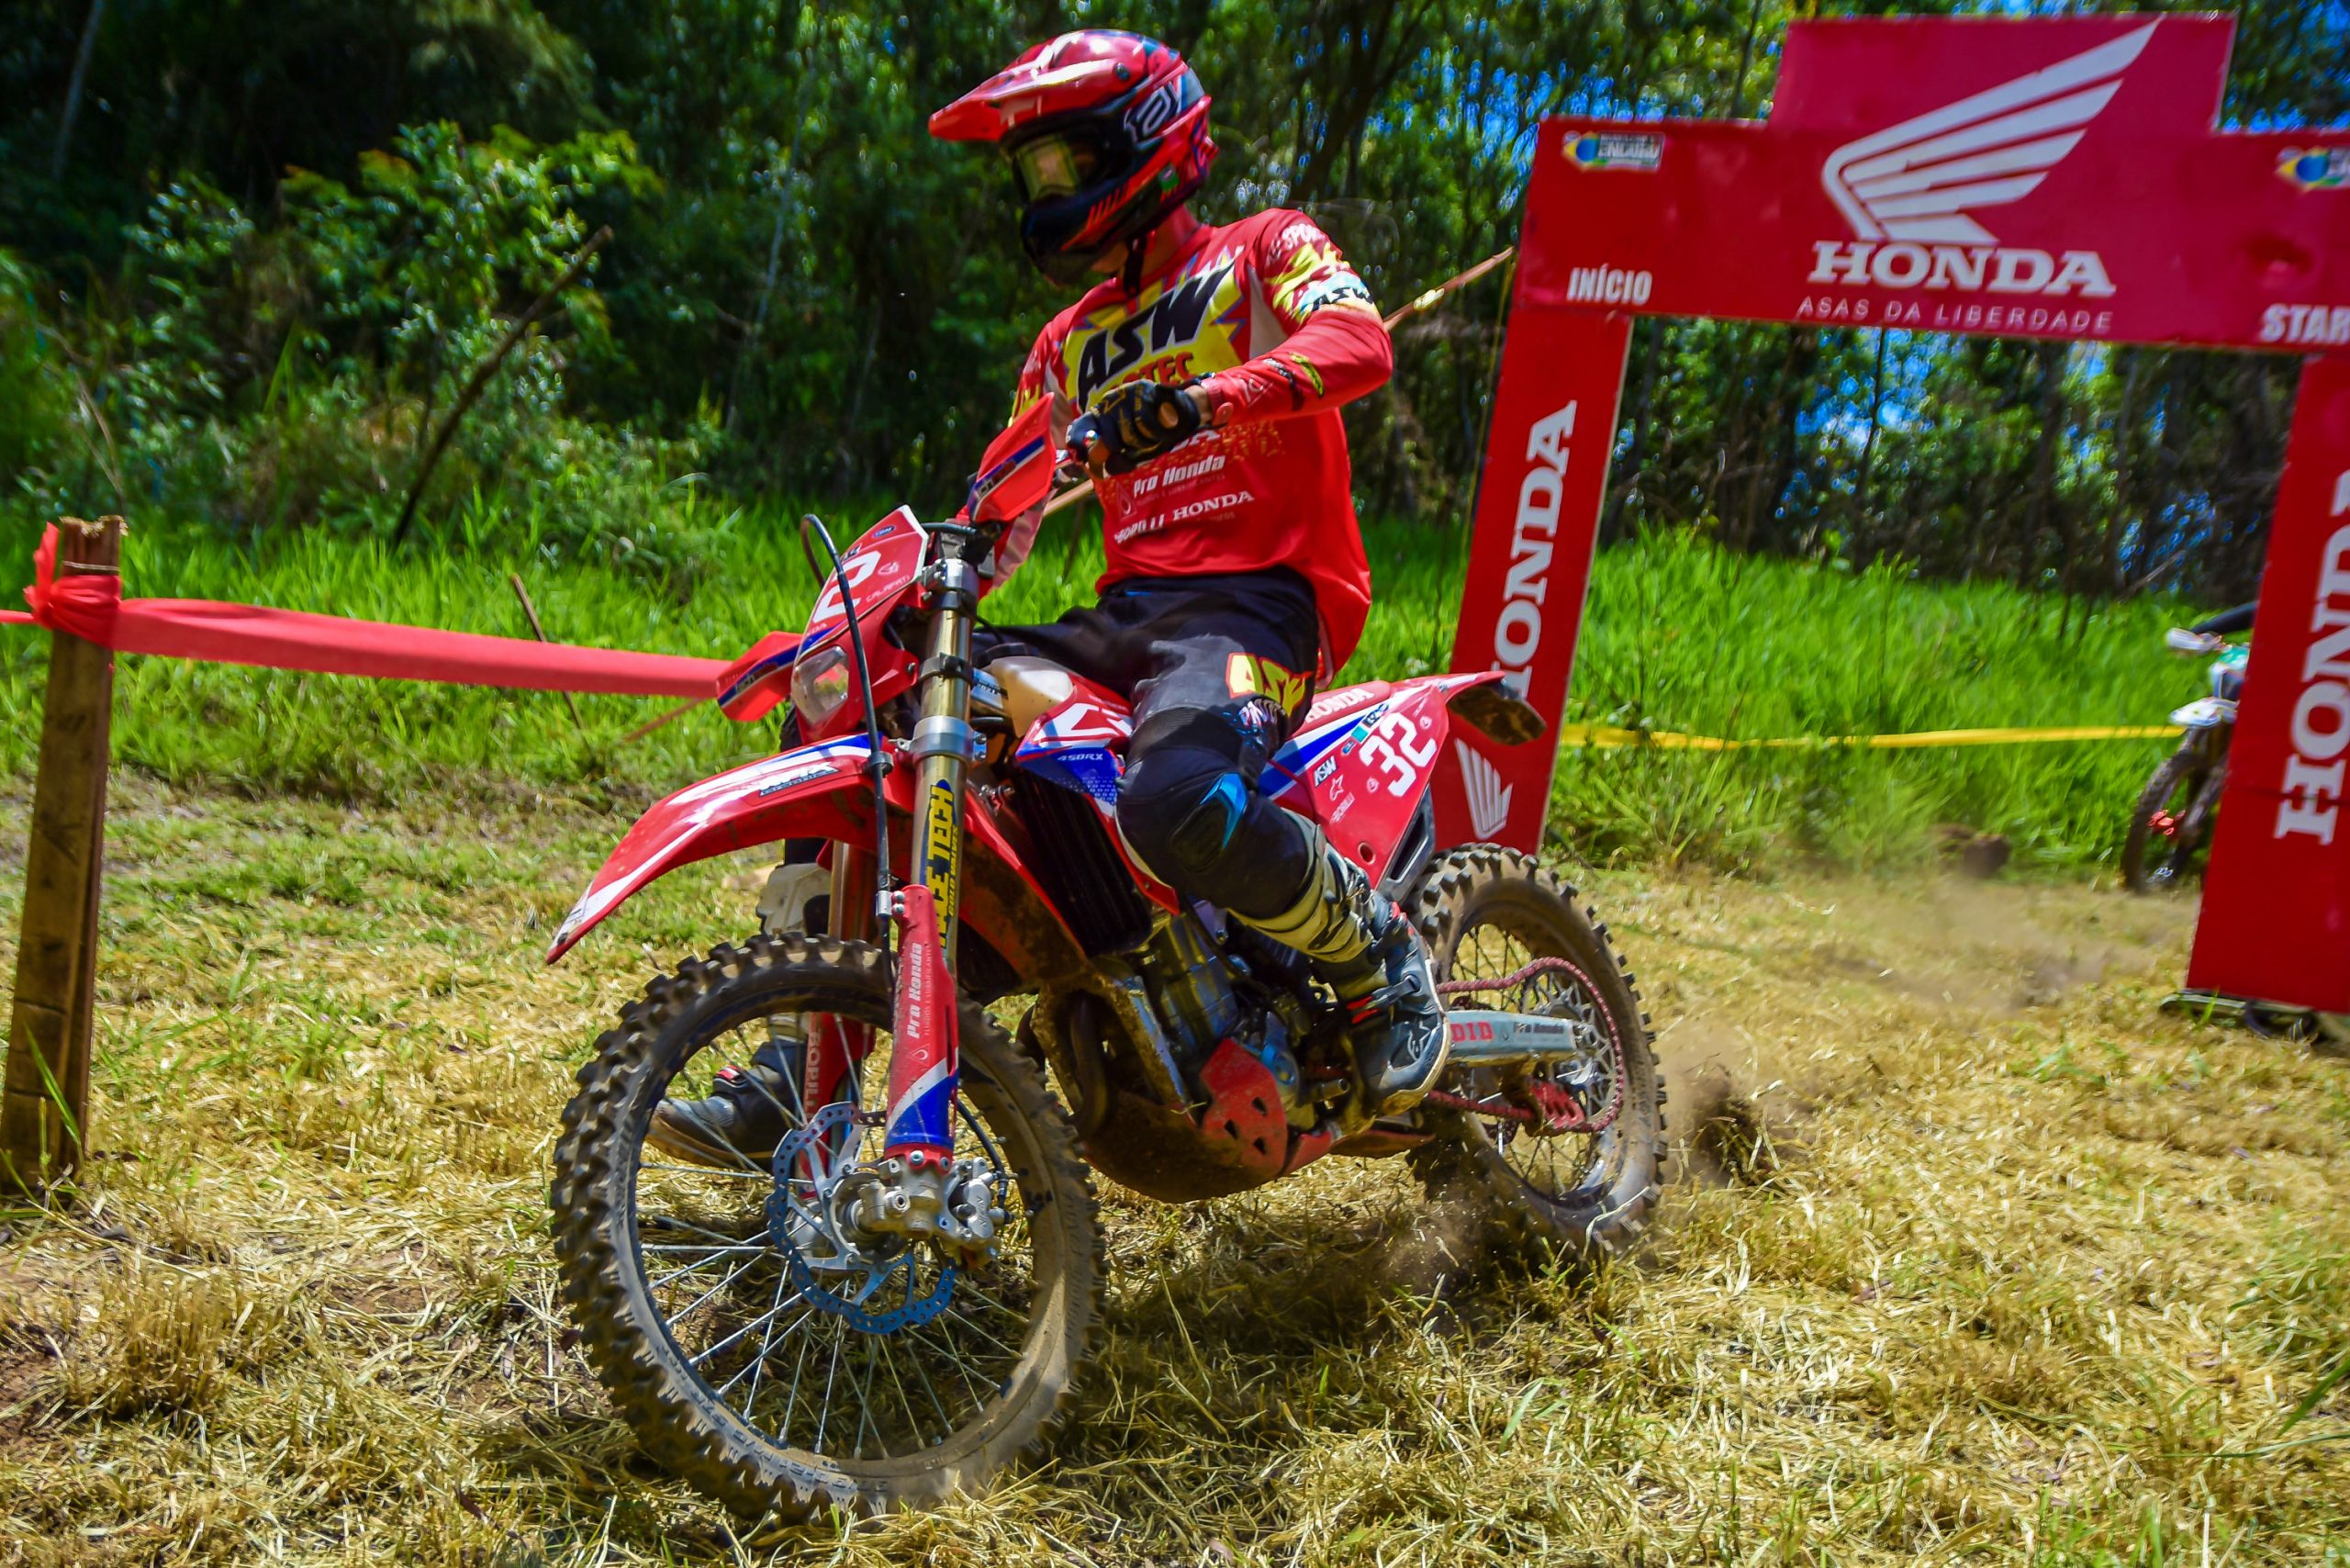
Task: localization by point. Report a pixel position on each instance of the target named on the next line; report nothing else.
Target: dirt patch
(24, 1366)
(1764, 991)
(1727, 1109)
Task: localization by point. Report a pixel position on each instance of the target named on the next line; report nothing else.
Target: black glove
(1130, 425)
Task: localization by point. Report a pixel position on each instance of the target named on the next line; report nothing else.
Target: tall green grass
(1678, 635)
(1683, 636)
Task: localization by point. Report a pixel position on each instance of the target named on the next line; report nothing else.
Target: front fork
(2195, 821)
(919, 1121)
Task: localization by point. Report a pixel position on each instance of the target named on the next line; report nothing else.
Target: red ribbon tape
(91, 607)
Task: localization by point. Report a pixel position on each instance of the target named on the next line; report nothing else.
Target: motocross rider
(1198, 379)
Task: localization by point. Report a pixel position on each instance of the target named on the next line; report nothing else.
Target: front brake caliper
(953, 1208)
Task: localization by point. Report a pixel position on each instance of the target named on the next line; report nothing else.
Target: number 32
(1395, 745)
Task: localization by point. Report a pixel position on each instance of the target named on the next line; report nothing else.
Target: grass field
(1975, 1257)
(1681, 636)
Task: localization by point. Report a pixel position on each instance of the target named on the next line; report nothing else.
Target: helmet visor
(1053, 165)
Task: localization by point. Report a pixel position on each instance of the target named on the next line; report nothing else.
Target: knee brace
(1179, 808)
(1190, 812)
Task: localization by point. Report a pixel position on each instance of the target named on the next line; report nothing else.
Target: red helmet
(1107, 133)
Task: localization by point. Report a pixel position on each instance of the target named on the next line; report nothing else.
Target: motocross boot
(738, 1124)
(1365, 949)
(743, 1118)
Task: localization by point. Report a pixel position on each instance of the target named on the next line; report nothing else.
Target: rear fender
(813, 792)
(1361, 767)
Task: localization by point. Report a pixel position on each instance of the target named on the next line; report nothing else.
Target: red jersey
(1284, 332)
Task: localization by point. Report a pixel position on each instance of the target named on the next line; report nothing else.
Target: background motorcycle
(2172, 822)
(894, 1304)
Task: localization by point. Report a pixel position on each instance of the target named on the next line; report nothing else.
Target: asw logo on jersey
(1488, 796)
(1911, 190)
(1170, 321)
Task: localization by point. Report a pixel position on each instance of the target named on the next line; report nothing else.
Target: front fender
(756, 803)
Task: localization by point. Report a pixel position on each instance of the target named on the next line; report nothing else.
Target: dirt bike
(2172, 822)
(894, 1303)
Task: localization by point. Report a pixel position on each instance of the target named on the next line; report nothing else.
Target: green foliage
(36, 408)
(261, 376)
(1683, 637)
(273, 235)
(1785, 650)
(415, 264)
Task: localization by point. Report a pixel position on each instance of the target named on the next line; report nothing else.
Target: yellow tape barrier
(1604, 737)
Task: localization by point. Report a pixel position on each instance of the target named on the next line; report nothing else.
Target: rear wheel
(759, 1347)
(2164, 836)
(1494, 915)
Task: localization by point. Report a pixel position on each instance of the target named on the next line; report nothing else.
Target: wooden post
(45, 1100)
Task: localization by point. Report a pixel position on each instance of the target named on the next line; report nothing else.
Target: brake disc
(788, 1220)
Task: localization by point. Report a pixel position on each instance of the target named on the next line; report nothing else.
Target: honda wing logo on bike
(1911, 190)
(1488, 796)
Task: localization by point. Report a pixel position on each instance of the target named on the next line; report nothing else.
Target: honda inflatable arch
(2057, 178)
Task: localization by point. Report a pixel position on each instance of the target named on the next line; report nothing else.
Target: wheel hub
(811, 1223)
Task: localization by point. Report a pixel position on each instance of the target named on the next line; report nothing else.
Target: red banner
(1537, 502)
(2052, 178)
(91, 607)
(2056, 177)
(2275, 917)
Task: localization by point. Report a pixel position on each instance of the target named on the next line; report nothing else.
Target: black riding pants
(1218, 669)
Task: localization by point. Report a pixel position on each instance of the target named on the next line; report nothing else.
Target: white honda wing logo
(1488, 796)
(1920, 180)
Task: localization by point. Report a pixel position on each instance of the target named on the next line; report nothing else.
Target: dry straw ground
(1982, 1260)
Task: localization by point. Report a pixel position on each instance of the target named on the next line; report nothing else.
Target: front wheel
(1499, 917)
(759, 1348)
(2166, 831)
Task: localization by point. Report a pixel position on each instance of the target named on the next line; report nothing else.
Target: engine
(1149, 1051)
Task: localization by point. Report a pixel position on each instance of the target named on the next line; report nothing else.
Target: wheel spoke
(748, 1174)
(922, 1370)
(694, 1267)
(670, 1222)
(889, 1362)
(950, 1312)
(792, 1117)
(864, 1394)
(962, 1365)
(824, 1414)
(705, 1246)
(707, 1351)
(963, 1286)
(677, 1318)
(791, 1404)
(700, 1257)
